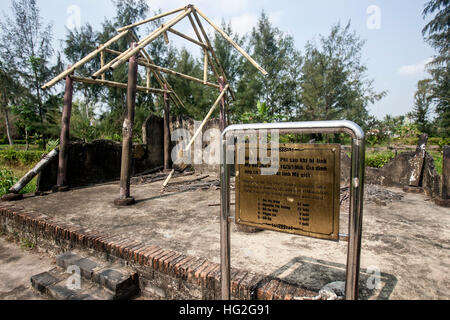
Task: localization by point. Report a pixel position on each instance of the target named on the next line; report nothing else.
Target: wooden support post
(127, 149)
(167, 140)
(223, 111)
(61, 184)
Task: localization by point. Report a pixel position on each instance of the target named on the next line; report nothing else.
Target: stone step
(56, 285)
(99, 280)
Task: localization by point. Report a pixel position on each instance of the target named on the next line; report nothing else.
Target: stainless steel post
(356, 216)
(224, 223)
(356, 194)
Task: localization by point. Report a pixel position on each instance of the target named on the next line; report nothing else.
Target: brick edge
(245, 285)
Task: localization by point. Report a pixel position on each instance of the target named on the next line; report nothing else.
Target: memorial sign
(301, 198)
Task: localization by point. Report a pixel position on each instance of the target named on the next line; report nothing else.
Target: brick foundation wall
(164, 274)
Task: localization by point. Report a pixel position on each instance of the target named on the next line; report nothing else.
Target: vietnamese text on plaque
(301, 198)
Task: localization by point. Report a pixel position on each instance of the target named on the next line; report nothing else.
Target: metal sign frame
(356, 193)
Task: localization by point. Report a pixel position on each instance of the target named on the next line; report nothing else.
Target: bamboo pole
(199, 130)
(34, 172)
(231, 41)
(148, 79)
(182, 35)
(106, 67)
(159, 16)
(150, 38)
(223, 111)
(159, 78)
(180, 75)
(83, 61)
(167, 140)
(205, 35)
(205, 68)
(102, 62)
(116, 84)
(206, 46)
(166, 38)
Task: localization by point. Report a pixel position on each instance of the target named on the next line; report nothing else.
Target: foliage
(379, 160)
(28, 56)
(7, 180)
(276, 53)
(437, 34)
(260, 116)
(422, 106)
(13, 157)
(333, 82)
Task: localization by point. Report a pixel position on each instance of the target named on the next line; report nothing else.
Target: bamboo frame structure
(211, 60)
(131, 55)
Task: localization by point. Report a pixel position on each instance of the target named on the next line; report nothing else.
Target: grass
(380, 159)
(15, 162)
(27, 244)
(438, 157)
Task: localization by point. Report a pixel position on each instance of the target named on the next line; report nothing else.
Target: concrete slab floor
(406, 243)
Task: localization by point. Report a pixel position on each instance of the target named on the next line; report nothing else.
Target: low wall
(189, 125)
(397, 172)
(98, 162)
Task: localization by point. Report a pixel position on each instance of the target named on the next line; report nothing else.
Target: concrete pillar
(127, 148)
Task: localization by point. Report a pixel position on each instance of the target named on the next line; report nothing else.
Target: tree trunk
(8, 130)
(26, 139)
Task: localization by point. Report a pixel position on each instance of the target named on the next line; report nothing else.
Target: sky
(395, 52)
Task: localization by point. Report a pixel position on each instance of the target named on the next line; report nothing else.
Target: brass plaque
(302, 198)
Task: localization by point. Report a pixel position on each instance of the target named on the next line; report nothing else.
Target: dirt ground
(407, 241)
(17, 265)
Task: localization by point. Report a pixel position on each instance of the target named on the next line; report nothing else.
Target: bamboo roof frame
(210, 58)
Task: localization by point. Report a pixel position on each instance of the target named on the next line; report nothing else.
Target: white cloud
(414, 69)
(244, 23)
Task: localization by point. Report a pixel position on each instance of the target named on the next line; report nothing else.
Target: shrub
(7, 180)
(379, 160)
(13, 157)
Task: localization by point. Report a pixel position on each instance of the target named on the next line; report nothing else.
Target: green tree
(437, 34)
(422, 106)
(333, 81)
(109, 103)
(28, 53)
(276, 53)
(8, 90)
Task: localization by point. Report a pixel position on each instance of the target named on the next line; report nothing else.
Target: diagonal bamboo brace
(199, 130)
(234, 44)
